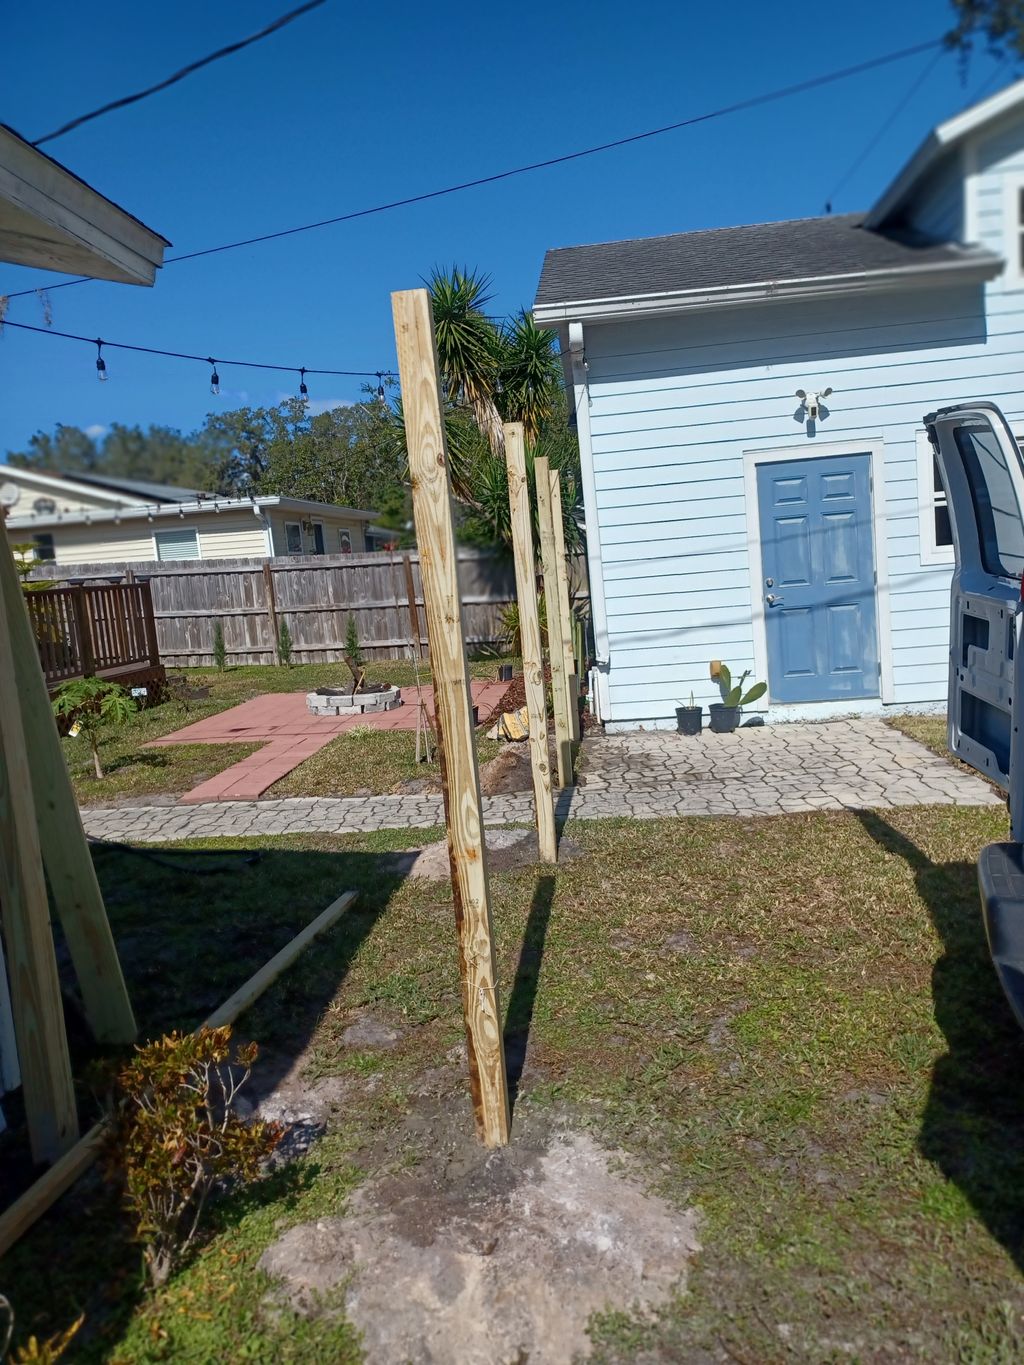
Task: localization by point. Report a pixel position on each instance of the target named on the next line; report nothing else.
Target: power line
(180, 75)
(753, 102)
(100, 343)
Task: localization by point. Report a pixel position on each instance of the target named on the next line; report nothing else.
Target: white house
(92, 519)
(802, 537)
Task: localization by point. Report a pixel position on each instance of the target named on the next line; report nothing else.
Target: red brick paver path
(289, 734)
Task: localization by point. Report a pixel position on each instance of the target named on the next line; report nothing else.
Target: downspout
(598, 610)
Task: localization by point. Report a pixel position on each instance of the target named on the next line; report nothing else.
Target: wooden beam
(414, 612)
(35, 989)
(76, 892)
(467, 851)
(562, 571)
(271, 605)
(16, 1220)
(529, 631)
(556, 627)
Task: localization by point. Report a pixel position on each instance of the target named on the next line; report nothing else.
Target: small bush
(220, 653)
(89, 704)
(509, 632)
(174, 1135)
(354, 655)
(284, 645)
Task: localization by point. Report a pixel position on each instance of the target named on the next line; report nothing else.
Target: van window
(997, 513)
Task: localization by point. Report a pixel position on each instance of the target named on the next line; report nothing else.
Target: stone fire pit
(341, 701)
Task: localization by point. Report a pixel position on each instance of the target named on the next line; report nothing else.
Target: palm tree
(468, 348)
(529, 376)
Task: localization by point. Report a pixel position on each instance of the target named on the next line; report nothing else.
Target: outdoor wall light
(811, 405)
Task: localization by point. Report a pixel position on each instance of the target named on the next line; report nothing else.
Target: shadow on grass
(189, 932)
(139, 759)
(973, 1124)
(523, 995)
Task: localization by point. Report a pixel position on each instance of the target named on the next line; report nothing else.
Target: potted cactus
(689, 719)
(725, 715)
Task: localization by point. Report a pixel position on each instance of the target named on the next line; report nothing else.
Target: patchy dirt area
(501, 1256)
(507, 849)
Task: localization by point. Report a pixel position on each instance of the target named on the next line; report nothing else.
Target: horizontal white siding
(675, 403)
(221, 536)
(236, 535)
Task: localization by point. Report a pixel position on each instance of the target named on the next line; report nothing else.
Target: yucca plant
(510, 633)
(468, 345)
(529, 374)
(733, 694)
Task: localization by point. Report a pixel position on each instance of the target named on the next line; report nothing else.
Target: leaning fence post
(432, 511)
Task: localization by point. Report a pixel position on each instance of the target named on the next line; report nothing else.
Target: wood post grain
(467, 851)
(65, 849)
(35, 989)
(529, 630)
(565, 609)
(556, 626)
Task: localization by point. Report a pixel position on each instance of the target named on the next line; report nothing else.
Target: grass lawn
(345, 767)
(367, 760)
(792, 1022)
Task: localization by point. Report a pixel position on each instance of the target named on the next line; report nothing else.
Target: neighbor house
(736, 509)
(92, 519)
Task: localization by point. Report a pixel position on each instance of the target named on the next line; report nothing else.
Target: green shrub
(284, 645)
(89, 704)
(353, 654)
(220, 653)
(174, 1135)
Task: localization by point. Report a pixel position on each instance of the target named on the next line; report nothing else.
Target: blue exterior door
(819, 578)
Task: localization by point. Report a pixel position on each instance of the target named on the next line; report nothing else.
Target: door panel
(817, 556)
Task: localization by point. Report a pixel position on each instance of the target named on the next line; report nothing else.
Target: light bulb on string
(214, 376)
(101, 364)
(382, 397)
(303, 387)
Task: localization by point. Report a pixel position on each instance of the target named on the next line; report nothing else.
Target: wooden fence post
(76, 892)
(556, 626)
(565, 610)
(35, 989)
(529, 632)
(83, 631)
(271, 600)
(414, 611)
(467, 851)
(152, 643)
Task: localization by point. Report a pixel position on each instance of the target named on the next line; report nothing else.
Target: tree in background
(1000, 22)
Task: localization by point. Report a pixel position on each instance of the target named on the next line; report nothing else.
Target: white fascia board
(938, 143)
(48, 481)
(317, 508)
(977, 266)
(162, 511)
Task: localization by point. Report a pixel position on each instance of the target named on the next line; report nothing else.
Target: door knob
(771, 599)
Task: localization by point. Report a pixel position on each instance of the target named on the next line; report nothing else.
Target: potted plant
(725, 715)
(689, 719)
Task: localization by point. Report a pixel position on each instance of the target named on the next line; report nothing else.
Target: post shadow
(972, 1128)
(523, 995)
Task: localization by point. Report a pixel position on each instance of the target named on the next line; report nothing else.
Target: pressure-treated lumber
(529, 632)
(460, 779)
(565, 611)
(556, 625)
(16, 1220)
(35, 989)
(76, 892)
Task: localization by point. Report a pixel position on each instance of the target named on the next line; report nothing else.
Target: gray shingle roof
(802, 248)
(154, 492)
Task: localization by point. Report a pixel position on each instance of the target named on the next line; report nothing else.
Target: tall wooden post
(35, 989)
(529, 631)
(467, 851)
(565, 610)
(271, 601)
(556, 626)
(414, 612)
(76, 892)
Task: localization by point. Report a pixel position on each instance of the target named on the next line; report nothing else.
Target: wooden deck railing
(106, 631)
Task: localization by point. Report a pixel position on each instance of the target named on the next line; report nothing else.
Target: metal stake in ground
(529, 634)
(435, 535)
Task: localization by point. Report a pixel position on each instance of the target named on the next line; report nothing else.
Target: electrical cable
(739, 106)
(125, 100)
(300, 370)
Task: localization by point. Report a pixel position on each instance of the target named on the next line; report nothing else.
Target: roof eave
(977, 268)
(168, 510)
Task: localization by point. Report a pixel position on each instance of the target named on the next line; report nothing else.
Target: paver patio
(290, 734)
(771, 770)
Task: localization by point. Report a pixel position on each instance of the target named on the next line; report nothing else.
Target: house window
(293, 537)
(345, 541)
(1014, 228)
(933, 511)
(43, 541)
(318, 537)
(181, 543)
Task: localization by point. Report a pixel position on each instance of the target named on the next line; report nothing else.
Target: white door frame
(874, 448)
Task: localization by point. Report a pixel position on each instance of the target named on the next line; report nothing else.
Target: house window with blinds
(180, 543)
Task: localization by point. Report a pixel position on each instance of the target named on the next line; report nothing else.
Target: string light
(382, 397)
(303, 388)
(214, 376)
(101, 364)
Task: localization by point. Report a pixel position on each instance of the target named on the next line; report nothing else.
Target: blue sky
(356, 105)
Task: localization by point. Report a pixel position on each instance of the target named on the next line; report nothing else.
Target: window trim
(1013, 229)
(927, 501)
(287, 548)
(50, 558)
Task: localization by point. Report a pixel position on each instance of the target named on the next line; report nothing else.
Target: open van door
(983, 474)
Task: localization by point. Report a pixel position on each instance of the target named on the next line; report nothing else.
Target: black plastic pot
(504, 672)
(476, 715)
(689, 719)
(724, 719)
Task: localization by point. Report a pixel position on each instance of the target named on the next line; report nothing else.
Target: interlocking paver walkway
(289, 734)
(770, 770)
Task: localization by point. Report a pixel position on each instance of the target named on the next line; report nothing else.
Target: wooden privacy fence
(315, 594)
(105, 630)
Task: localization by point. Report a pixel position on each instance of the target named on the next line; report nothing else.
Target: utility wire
(186, 355)
(753, 102)
(180, 75)
(874, 141)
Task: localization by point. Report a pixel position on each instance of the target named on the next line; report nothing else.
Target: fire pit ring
(341, 701)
